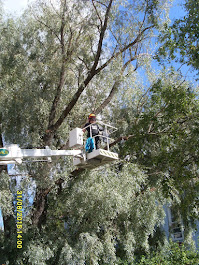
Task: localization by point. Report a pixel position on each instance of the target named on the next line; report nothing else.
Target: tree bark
(41, 206)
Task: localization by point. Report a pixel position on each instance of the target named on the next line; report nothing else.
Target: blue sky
(14, 6)
(177, 9)
(17, 7)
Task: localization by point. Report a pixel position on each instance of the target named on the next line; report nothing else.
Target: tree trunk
(41, 206)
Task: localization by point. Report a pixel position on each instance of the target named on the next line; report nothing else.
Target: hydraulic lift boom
(13, 154)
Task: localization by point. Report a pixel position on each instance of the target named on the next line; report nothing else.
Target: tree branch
(137, 39)
(47, 26)
(114, 88)
(102, 33)
(97, 13)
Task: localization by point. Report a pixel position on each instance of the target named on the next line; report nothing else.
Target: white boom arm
(13, 154)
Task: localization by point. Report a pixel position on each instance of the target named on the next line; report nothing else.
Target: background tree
(180, 40)
(174, 254)
(163, 138)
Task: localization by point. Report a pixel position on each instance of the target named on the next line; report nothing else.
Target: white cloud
(16, 7)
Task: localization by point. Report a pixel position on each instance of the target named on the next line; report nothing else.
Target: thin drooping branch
(128, 137)
(97, 13)
(121, 138)
(110, 96)
(47, 26)
(115, 55)
(83, 61)
(155, 116)
(166, 130)
(54, 9)
(114, 88)
(145, 14)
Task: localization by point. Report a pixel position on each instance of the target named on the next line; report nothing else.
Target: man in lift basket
(93, 130)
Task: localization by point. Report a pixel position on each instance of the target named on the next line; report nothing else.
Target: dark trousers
(97, 142)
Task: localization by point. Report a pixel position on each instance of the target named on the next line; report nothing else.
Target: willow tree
(59, 62)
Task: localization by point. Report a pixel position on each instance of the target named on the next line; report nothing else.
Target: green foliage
(182, 37)
(6, 196)
(104, 212)
(173, 255)
(164, 139)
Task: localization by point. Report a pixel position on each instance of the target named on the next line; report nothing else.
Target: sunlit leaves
(180, 41)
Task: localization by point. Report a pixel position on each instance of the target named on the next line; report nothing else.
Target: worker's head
(92, 118)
